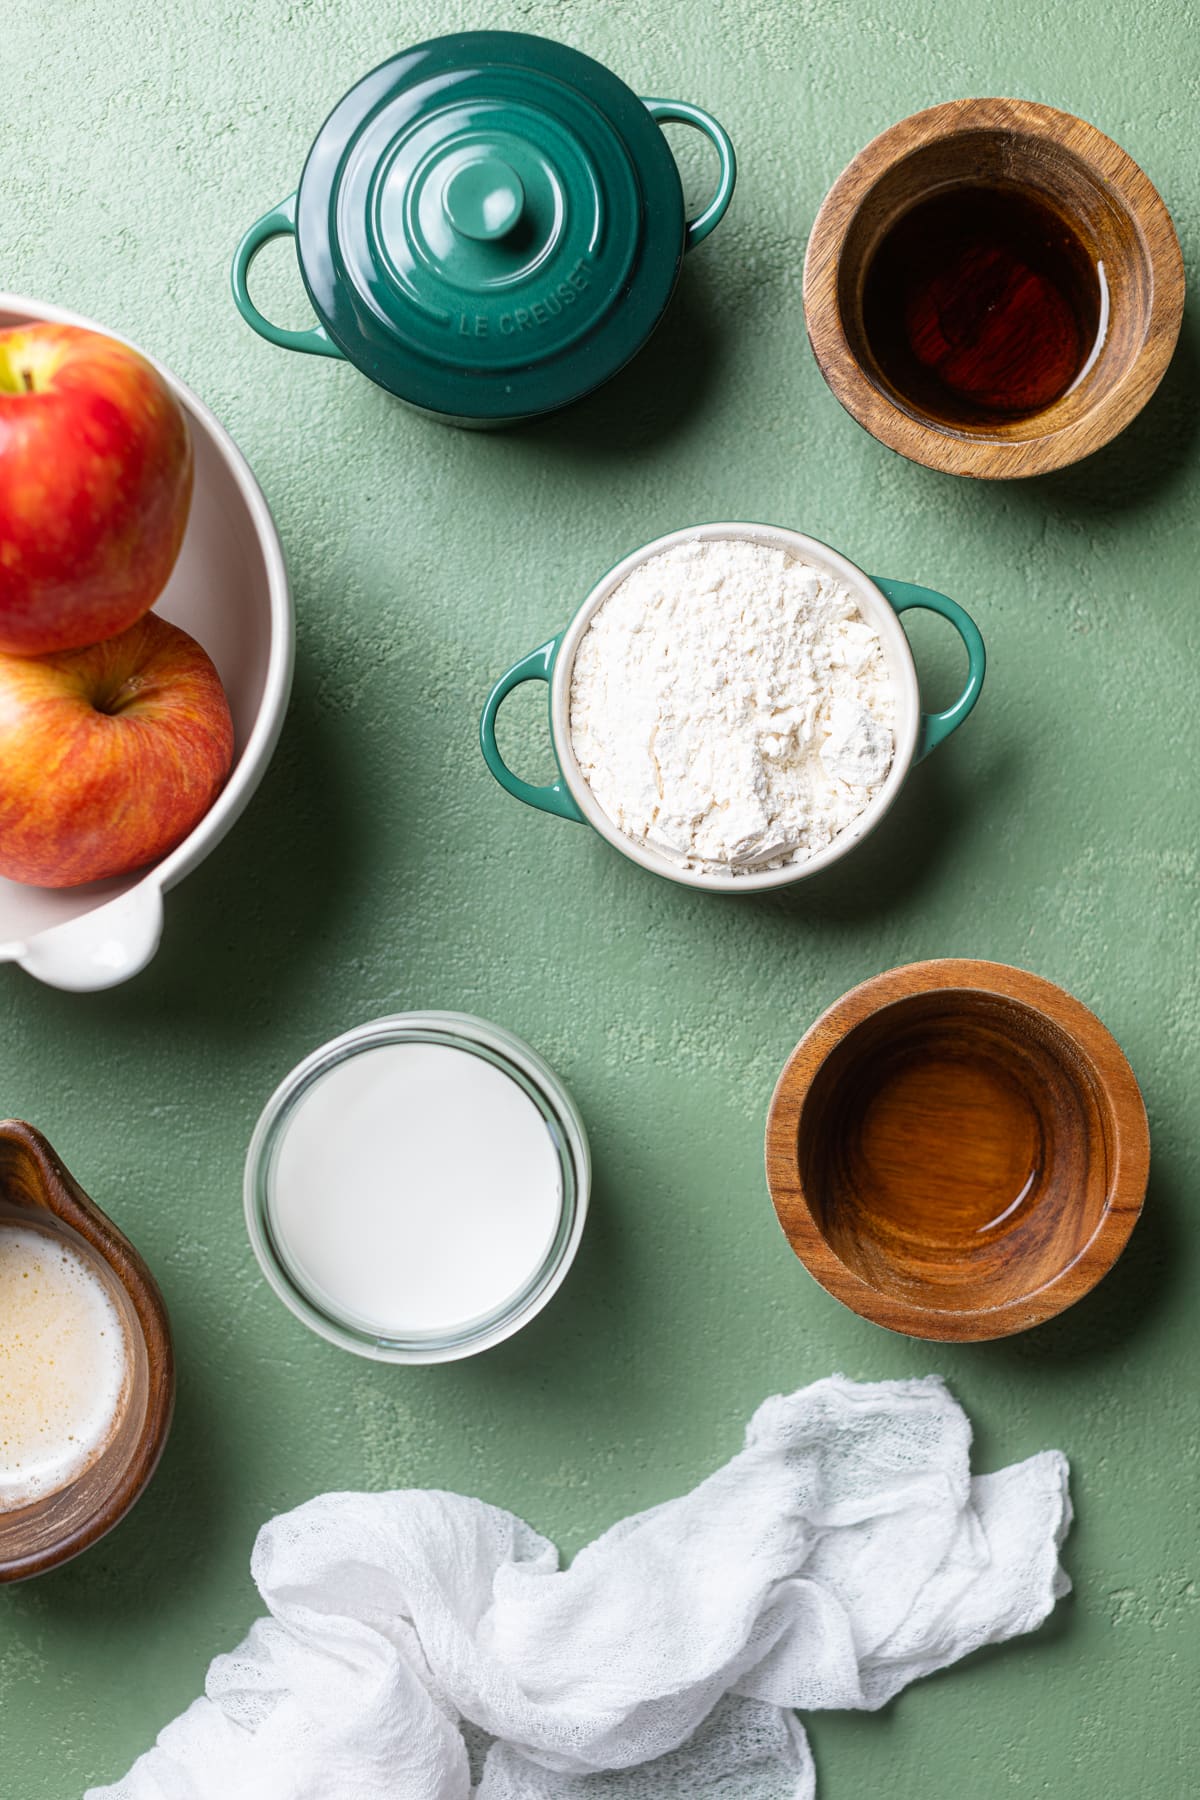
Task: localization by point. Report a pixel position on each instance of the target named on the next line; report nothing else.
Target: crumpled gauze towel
(423, 1646)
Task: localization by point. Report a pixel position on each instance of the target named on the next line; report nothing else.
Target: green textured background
(380, 869)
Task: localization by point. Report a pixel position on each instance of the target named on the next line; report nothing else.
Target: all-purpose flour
(730, 707)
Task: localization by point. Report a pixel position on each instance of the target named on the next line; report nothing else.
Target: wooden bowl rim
(66, 1200)
(962, 454)
(1114, 1079)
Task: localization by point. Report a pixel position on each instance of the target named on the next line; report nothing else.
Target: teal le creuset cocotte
(488, 225)
(879, 600)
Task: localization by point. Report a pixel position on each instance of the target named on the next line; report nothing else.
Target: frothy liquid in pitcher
(63, 1364)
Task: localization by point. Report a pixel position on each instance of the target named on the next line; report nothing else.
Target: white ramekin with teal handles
(881, 601)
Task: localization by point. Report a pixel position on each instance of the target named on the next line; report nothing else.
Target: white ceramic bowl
(880, 601)
(230, 590)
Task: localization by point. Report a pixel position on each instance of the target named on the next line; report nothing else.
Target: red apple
(108, 756)
(95, 485)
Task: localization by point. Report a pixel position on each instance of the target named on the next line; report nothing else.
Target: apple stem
(27, 379)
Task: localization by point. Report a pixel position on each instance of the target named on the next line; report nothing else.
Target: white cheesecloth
(423, 1646)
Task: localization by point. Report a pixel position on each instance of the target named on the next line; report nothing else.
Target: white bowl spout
(97, 949)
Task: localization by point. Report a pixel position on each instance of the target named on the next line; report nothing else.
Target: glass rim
(503, 1050)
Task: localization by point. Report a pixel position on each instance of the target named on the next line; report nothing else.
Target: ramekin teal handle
(682, 112)
(555, 798)
(279, 222)
(936, 727)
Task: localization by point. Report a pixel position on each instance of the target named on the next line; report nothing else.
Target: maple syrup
(982, 304)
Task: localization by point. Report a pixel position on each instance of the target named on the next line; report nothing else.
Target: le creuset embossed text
(488, 225)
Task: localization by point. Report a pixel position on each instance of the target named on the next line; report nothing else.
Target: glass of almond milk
(416, 1189)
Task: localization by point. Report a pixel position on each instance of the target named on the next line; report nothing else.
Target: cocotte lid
(490, 224)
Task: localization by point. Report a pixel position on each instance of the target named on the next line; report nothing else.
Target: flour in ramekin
(731, 708)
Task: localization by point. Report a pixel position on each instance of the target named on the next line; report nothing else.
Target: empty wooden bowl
(58, 1525)
(1072, 173)
(957, 1150)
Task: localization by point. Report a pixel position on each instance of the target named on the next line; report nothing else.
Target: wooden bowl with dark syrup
(957, 1150)
(993, 288)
